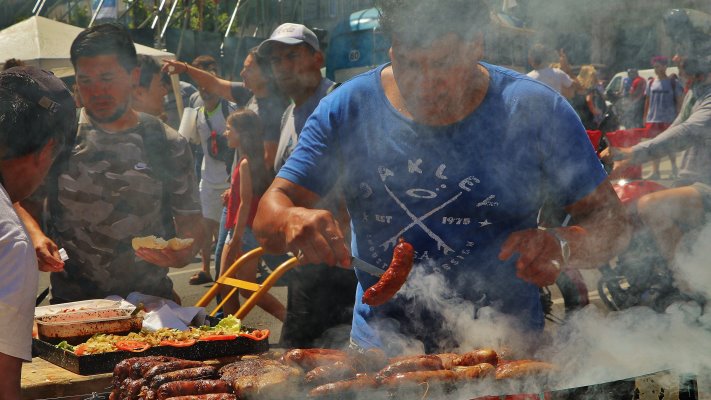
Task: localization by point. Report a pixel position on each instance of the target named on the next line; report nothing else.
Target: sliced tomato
(256, 334)
(218, 337)
(132, 345)
(178, 343)
(80, 349)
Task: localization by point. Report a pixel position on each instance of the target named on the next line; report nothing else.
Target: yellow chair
(258, 290)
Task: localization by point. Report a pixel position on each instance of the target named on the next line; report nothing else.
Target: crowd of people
(294, 163)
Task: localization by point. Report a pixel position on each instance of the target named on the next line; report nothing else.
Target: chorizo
(131, 388)
(328, 373)
(357, 384)
(417, 363)
(123, 369)
(309, 359)
(189, 374)
(474, 371)
(522, 368)
(184, 388)
(394, 277)
(477, 357)
(211, 396)
(401, 378)
(171, 366)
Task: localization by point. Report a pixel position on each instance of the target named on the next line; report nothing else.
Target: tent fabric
(45, 43)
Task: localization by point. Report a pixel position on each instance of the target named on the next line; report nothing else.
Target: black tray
(101, 363)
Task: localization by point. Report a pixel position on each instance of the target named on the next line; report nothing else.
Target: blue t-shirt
(454, 192)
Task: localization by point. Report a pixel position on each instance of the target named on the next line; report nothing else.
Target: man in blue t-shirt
(457, 157)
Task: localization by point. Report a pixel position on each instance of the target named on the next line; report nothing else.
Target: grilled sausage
(189, 374)
(394, 277)
(328, 373)
(360, 382)
(416, 363)
(521, 368)
(474, 371)
(477, 357)
(171, 366)
(442, 375)
(139, 368)
(133, 388)
(309, 359)
(122, 370)
(184, 388)
(211, 396)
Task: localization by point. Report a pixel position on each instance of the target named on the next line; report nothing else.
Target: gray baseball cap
(290, 34)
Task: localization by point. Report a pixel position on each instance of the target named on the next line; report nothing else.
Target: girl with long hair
(250, 179)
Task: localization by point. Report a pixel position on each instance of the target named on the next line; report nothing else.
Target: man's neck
(211, 105)
(301, 96)
(127, 121)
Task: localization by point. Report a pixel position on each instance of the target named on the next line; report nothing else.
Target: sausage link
(211, 396)
(122, 370)
(309, 359)
(190, 374)
(442, 375)
(357, 384)
(477, 357)
(418, 363)
(394, 277)
(131, 388)
(522, 368)
(139, 368)
(171, 366)
(184, 388)
(328, 373)
(474, 371)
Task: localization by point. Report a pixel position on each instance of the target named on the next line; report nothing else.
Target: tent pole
(93, 17)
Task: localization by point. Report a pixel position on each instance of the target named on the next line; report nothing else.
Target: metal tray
(102, 363)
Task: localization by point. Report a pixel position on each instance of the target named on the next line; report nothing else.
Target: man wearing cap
(128, 176)
(319, 297)
(455, 156)
(37, 121)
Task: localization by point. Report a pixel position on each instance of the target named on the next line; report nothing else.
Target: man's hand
(167, 257)
(225, 197)
(315, 237)
(173, 67)
(48, 256)
(618, 157)
(540, 257)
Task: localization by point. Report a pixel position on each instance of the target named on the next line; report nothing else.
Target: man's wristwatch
(564, 246)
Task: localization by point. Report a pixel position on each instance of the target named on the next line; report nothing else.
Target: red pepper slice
(132, 345)
(178, 343)
(256, 334)
(218, 337)
(80, 349)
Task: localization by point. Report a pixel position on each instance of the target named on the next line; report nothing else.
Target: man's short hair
(419, 22)
(35, 106)
(12, 62)
(205, 63)
(105, 39)
(148, 67)
(538, 53)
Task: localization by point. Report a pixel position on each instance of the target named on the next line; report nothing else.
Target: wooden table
(42, 379)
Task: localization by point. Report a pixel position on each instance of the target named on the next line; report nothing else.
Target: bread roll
(153, 242)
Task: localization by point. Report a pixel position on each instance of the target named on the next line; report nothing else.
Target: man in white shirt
(37, 121)
(556, 78)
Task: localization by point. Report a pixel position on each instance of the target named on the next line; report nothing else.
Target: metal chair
(258, 290)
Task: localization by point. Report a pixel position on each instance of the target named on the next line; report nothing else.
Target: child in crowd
(250, 178)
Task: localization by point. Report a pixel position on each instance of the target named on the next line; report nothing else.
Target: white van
(615, 85)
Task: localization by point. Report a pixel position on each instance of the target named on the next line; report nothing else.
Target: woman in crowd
(589, 101)
(250, 178)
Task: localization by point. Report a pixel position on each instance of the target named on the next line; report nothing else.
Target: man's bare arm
(601, 232)
(11, 368)
(285, 222)
(48, 258)
(204, 79)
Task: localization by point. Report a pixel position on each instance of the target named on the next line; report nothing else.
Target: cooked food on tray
(228, 328)
(157, 243)
(301, 373)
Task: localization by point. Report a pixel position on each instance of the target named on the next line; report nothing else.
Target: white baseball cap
(290, 34)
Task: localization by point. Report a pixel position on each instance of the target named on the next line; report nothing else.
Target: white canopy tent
(45, 43)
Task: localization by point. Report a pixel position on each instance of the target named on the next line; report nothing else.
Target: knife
(366, 267)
